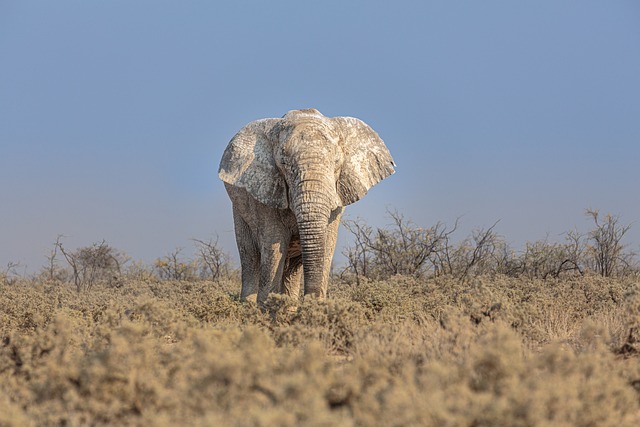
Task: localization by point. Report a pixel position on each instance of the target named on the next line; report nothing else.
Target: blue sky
(114, 114)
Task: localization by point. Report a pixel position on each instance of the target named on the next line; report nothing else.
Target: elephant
(288, 180)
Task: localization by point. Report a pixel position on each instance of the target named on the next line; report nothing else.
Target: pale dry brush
(495, 350)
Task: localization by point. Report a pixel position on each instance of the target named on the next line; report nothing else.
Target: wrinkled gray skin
(288, 180)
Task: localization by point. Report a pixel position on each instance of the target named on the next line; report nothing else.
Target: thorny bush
(407, 249)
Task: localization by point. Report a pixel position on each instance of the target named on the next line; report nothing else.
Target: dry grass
(497, 351)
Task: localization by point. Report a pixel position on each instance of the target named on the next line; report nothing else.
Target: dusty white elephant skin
(288, 180)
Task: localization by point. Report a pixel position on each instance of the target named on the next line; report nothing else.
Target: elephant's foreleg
(330, 245)
(249, 258)
(272, 259)
(292, 276)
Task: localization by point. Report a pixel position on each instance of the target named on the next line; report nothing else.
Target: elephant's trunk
(312, 205)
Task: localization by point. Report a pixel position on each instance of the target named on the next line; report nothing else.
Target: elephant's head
(310, 164)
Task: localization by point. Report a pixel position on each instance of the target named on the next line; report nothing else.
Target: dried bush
(210, 263)
(482, 253)
(213, 263)
(544, 259)
(494, 350)
(403, 248)
(630, 345)
(173, 267)
(406, 249)
(605, 251)
(10, 274)
(90, 265)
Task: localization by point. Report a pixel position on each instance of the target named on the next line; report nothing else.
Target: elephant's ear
(367, 160)
(248, 163)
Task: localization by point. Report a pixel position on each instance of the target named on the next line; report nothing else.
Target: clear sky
(114, 114)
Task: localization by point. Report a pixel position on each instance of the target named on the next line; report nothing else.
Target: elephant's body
(288, 180)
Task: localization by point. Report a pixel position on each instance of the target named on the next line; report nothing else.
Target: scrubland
(405, 351)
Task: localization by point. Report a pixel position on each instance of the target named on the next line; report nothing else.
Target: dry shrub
(631, 338)
(333, 323)
(405, 248)
(405, 351)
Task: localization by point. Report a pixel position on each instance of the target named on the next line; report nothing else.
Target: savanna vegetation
(417, 330)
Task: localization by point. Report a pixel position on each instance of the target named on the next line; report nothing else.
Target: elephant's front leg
(249, 258)
(272, 260)
(330, 245)
(292, 275)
